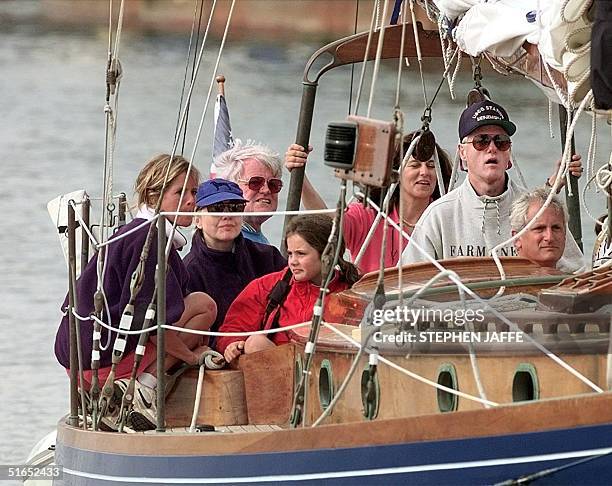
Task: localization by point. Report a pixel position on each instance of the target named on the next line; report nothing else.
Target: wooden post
(221, 84)
(161, 320)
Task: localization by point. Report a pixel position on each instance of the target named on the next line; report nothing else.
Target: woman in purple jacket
(183, 309)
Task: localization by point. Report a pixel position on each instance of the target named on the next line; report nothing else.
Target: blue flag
(223, 139)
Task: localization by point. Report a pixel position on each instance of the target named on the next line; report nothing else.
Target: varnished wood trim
(531, 417)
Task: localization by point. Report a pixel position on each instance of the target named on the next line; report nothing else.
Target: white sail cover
(565, 43)
(552, 42)
(454, 8)
(498, 27)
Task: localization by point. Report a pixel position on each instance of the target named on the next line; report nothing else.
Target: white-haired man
(257, 169)
(544, 241)
(475, 217)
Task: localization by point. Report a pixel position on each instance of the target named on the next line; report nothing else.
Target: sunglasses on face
(226, 207)
(481, 142)
(255, 183)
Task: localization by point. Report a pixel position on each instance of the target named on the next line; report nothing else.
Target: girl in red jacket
(306, 240)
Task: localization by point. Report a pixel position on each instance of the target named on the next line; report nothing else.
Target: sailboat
(352, 413)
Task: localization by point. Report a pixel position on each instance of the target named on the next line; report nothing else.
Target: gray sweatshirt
(464, 224)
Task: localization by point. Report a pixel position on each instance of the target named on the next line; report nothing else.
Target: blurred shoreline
(259, 20)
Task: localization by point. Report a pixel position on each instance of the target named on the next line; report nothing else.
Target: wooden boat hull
(472, 447)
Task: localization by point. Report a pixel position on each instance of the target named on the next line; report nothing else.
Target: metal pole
(86, 205)
(573, 201)
(302, 138)
(73, 420)
(161, 320)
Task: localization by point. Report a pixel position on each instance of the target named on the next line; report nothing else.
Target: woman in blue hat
(221, 261)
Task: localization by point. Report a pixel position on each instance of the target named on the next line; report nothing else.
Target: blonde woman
(195, 311)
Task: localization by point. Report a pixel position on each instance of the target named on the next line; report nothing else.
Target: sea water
(52, 139)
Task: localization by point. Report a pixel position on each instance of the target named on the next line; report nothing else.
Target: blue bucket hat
(216, 190)
(484, 113)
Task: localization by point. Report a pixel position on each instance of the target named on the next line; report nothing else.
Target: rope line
(364, 64)
(565, 159)
(411, 374)
(186, 330)
(497, 314)
(379, 47)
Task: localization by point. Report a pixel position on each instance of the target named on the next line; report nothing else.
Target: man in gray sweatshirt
(475, 217)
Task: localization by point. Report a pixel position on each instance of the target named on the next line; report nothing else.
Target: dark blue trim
(371, 457)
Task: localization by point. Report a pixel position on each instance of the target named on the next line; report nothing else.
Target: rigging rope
(411, 374)
(350, 101)
(417, 44)
(398, 83)
(201, 125)
(379, 47)
(561, 173)
(195, 14)
(364, 64)
(475, 296)
(329, 262)
(186, 330)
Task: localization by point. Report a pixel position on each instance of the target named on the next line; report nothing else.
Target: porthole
(370, 394)
(447, 376)
(297, 371)
(326, 384)
(525, 383)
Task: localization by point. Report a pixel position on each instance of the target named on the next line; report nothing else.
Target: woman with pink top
(418, 188)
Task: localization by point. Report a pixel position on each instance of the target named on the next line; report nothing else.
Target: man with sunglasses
(475, 217)
(257, 170)
(221, 260)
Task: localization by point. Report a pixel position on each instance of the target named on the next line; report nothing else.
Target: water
(52, 139)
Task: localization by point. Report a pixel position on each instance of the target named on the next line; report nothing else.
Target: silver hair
(520, 207)
(229, 163)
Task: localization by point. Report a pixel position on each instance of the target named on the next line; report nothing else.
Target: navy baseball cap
(216, 190)
(484, 113)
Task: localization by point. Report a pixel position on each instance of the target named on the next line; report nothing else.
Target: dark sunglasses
(226, 207)
(481, 142)
(257, 182)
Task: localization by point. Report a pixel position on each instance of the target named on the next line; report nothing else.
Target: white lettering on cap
(496, 115)
(489, 117)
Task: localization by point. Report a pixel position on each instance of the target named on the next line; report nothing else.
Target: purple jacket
(223, 274)
(121, 260)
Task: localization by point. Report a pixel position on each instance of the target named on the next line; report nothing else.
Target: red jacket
(247, 311)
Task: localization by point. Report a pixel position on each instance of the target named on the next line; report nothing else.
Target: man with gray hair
(257, 170)
(544, 241)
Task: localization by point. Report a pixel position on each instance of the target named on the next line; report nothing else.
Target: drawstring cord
(486, 202)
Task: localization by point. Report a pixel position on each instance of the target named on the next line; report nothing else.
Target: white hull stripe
(349, 474)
